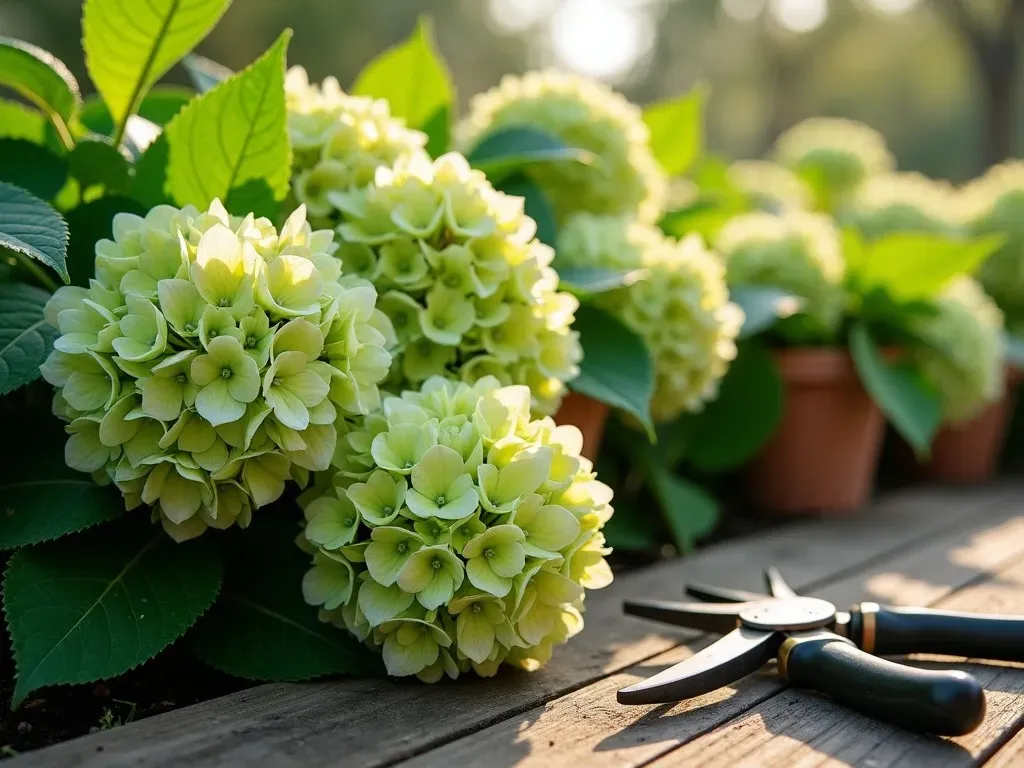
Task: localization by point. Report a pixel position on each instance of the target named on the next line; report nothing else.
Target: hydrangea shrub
(467, 286)
(797, 251)
(904, 202)
(209, 359)
(770, 186)
(680, 308)
(339, 141)
(994, 204)
(962, 350)
(623, 179)
(459, 533)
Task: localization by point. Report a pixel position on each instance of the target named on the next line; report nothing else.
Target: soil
(51, 715)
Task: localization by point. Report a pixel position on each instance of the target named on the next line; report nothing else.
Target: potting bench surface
(960, 549)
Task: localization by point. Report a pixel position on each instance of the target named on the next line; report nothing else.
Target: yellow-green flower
(994, 205)
(834, 156)
(904, 202)
(624, 178)
(680, 308)
(962, 350)
(456, 533)
(210, 360)
(467, 286)
(770, 186)
(796, 251)
(339, 141)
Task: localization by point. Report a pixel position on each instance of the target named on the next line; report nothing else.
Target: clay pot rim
(821, 365)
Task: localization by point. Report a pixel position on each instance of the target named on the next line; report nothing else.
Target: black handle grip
(946, 703)
(900, 631)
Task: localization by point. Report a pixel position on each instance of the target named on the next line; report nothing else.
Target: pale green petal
(215, 403)
(550, 529)
(401, 660)
(332, 522)
(379, 603)
(265, 476)
(380, 498)
(114, 428)
(388, 551)
(482, 577)
(436, 471)
(508, 559)
(162, 397)
(299, 335)
(475, 635)
(329, 584)
(182, 305)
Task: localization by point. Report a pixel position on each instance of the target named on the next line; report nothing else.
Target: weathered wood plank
(589, 727)
(797, 728)
(375, 722)
(1011, 754)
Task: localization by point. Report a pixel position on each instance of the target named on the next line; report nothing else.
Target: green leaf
(630, 530)
(255, 196)
(130, 45)
(89, 223)
(42, 79)
(590, 280)
(617, 368)
(246, 113)
(909, 402)
(97, 163)
(918, 265)
(32, 167)
(512, 149)
(18, 121)
(159, 106)
(676, 127)
(29, 227)
(87, 607)
(262, 601)
(25, 337)
(536, 205)
(413, 77)
(149, 186)
(734, 426)
(689, 511)
(205, 73)
(763, 306)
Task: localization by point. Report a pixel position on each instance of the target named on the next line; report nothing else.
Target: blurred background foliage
(942, 79)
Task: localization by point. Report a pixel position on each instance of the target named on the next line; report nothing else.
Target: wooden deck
(953, 548)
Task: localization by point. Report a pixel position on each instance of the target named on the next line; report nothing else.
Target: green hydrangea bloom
(994, 204)
(834, 156)
(904, 202)
(770, 186)
(962, 351)
(212, 359)
(797, 251)
(624, 179)
(456, 533)
(680, 308)
(468, 288)
(339, 141)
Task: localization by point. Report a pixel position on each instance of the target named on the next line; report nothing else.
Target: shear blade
(721, 594)
(707, 617)
(725, 661)
(777, 585)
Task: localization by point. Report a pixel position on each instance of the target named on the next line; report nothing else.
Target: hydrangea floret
(770, 186)
(994, 204)
(962, 350)
(339, 141)
(624, 178)
(469, 289)
(904, 202)
(680, 308)
(459, 534)
(834, 155)
(209, 360)
(797, 251)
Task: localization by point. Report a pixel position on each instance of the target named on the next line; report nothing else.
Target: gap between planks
(373, 722)
(589, 727)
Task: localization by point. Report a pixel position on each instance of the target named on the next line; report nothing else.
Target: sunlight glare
(799, 15)
(601, 38)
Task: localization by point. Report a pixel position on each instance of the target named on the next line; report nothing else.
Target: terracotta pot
(823, 456)
(969, 453)
(589, 415)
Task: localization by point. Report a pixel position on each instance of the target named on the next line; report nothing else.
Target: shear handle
(947, 703)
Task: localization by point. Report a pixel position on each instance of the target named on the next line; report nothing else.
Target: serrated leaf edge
(68, 532)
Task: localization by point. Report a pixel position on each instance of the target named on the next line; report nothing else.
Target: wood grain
(588, 727)
(364, 723)
(798, 728)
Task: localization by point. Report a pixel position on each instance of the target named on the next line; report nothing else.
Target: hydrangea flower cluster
(904, 202)
(209, 359)
(681, 308)
(797, 251)
(962, 350)
(624, 179)
(339, 141)
(770, 186)
(459, 534)
(994, 204)
(834, 155)
(466, 284)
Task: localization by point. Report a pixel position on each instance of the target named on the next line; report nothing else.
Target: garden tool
(833, 652)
